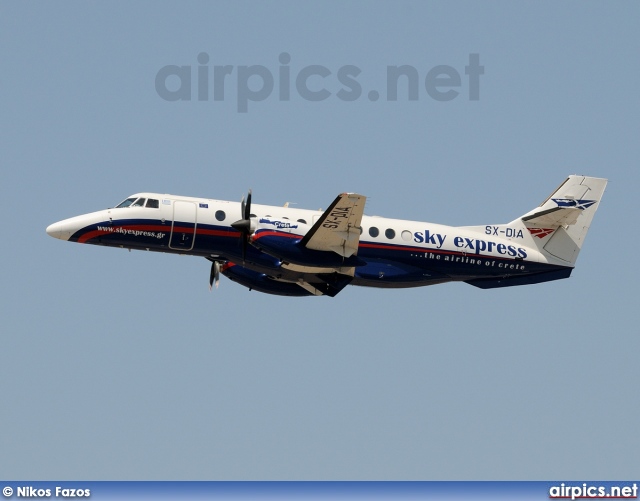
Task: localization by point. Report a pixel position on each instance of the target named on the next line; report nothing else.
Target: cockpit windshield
(139, 202)
(126, 203)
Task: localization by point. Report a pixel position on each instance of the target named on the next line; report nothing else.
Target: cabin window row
(390, 233)
(374, 232)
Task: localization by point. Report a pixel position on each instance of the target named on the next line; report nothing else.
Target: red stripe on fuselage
(269, 233)
(155, 228)
(390, 247)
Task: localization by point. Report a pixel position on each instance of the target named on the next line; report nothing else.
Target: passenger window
(374, 232)
(390, 234)
(220, 215)
(139, 203)
(153, 204)
(302, 221)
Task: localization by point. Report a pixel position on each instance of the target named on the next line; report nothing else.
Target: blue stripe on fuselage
(401, 263)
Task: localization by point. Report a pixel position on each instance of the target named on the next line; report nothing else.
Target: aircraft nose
(59, 230)
(65, 229)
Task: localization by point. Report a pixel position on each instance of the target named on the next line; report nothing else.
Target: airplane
(289, 251)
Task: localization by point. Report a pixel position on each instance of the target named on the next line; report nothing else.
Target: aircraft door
(183, 226)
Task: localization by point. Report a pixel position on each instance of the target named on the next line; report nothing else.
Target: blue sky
(122, 365)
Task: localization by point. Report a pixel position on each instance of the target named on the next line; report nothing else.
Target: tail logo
(578, 204)
(541, 232)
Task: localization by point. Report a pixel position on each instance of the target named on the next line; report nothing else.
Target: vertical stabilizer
(560, 224)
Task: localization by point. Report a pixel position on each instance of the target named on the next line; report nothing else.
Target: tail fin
(559, 225)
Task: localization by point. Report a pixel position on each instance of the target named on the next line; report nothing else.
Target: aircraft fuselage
(390, 252)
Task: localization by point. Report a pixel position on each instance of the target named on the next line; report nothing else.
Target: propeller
(214, 276)
(244, 225)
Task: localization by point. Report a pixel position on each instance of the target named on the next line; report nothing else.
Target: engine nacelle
(287, 248)
(281, 239)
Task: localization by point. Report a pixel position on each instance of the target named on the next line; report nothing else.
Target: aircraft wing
(325, 284)
(338, 229)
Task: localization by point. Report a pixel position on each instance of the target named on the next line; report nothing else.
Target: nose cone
(61, 230)
(67, 228)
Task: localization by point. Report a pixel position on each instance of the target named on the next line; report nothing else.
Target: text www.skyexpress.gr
(135, 233)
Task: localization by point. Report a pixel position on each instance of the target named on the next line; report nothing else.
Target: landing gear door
(183, 226)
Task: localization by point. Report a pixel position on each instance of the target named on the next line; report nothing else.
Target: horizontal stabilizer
(567, 203)
(560, 224)
(558, 216)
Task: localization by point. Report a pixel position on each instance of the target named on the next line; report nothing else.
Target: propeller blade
(246, 212)
(244, 225)
(214, 275)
